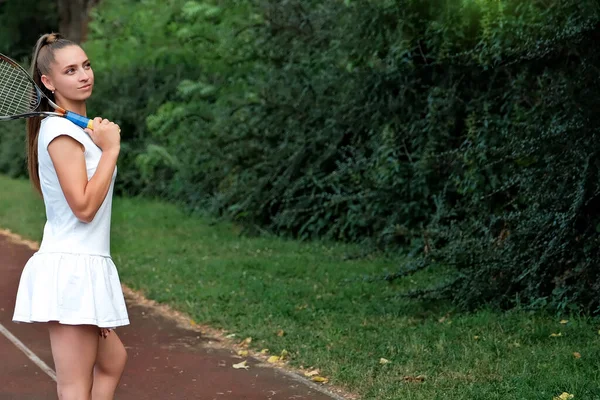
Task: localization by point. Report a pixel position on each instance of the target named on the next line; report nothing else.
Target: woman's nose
(83, 75)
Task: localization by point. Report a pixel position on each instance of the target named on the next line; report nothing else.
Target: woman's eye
(87, 66)
(70, 71)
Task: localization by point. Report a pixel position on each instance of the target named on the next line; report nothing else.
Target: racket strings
(17, 94)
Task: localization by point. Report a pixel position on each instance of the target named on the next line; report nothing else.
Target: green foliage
(469, 135)
(515, 212)
(13, 149)
(21, 23)
(138, 65)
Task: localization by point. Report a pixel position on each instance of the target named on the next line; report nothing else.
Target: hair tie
(53, 38)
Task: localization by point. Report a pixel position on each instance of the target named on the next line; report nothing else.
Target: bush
(16, 41)
(138, 65)
(517, 211)
(13, 149)
(469, 135)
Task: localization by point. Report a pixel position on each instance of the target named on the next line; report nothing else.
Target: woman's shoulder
(54, 126)
(54, 122)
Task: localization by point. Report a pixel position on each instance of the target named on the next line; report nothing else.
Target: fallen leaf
(230, 336)
(314, 372)
(577, 354)
(241, 365)
(243, 353)
(192, 322)
(319, 379)
(280, 333)
(273, 359)
(556, 334)
(564, 396)
(284, 354)
(264, 351)
(246, 342)
(564, 321)
(476, 337)
(384, 361)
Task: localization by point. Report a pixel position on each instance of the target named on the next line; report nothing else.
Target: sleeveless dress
(71, 278)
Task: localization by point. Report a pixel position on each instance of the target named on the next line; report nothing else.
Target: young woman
(71, 283)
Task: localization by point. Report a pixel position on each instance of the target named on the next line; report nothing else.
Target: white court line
(43, 366)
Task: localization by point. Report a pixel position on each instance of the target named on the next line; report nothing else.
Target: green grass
(334, 319)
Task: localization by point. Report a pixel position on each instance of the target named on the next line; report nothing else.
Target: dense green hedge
(16, 41)
(465, 131)
(22, 22)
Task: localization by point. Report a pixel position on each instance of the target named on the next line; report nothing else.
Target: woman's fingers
(104, 332)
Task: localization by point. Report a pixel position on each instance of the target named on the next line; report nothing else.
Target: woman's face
(71, 75)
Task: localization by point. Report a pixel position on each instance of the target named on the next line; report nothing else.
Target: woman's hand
(104, 332)
(106, 135)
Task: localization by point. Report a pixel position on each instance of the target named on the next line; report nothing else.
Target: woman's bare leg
(110, 363)
(74, 349)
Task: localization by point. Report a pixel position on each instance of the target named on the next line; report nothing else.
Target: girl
(71, 283)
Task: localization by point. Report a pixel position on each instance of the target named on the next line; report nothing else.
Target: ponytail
(42, 59)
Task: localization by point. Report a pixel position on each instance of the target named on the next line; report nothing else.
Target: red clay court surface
(165, 362)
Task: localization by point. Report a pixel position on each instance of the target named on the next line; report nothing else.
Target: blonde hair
(42, 59)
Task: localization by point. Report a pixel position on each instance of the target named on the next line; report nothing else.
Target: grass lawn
(333, 319)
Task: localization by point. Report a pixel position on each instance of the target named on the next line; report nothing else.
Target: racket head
(19, 95)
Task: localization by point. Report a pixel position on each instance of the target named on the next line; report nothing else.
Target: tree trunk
(74, 17)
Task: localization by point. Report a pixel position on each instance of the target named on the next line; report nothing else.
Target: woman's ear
(46, 81)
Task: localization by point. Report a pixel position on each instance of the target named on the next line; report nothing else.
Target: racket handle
(79, 120)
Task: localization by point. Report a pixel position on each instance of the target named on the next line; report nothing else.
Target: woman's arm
(83, 196)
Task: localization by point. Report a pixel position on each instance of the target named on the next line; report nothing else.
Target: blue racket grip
(79, 120)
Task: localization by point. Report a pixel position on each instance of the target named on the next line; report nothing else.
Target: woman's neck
(78, 107)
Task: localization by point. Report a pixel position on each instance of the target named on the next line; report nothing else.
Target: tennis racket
(20, 96)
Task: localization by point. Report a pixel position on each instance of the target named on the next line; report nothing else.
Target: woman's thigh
(74, 349)
(112, 355)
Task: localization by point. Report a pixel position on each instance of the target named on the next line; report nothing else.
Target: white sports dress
(72, 278)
